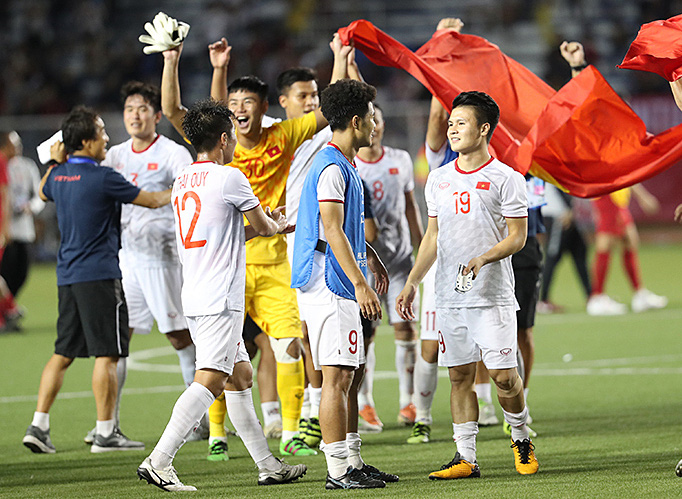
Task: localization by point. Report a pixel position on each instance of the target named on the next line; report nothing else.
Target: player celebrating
(388, 173)
(210, 200)
(264, 156)
(330, 260)
(152, 277)
(477, 214)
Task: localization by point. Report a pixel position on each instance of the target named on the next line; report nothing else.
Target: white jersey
(300, 165)
(471, 208)
(388, 179)
(208, 201)
(147, 237)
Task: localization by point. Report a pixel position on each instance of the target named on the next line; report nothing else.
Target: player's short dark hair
(287, 78)
(485, 108)
(79, 125)
(150, 93)
(250, 84)
(205, 122)
(344, 99)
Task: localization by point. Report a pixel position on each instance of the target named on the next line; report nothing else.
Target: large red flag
(584, 139)
(657, 49)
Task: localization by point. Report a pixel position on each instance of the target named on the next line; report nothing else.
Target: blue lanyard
(82, 160)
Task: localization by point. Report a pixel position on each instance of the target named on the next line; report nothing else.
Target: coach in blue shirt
(93, 318)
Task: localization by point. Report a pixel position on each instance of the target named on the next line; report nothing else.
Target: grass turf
(607, 418)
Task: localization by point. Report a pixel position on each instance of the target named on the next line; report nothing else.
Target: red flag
(583, 139)
(483, 185)
(657, 49)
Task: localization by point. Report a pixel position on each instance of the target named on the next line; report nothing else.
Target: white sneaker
(287, 473)
(604, 305)
(646, 300)
(273, 430)
(164, 478)
(486, 414)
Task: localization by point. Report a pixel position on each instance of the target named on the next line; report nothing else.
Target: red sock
(7, 304)
(601, 266)
(631, 264)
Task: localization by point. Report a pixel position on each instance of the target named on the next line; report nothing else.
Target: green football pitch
(604, 396)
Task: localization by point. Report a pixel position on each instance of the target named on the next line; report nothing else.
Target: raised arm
(171, 104)
(339, 72)
(574, 54)
(676, 87)
(219, 54)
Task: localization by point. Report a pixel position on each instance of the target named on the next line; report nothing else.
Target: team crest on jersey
(506, 351)
(483, 185)
(393, 171)
(152, 166)
(444, 185)
(273, 151)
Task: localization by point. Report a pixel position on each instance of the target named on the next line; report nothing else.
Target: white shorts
(153, 293)
(334, 328)
(428, 309)
(218, 340)
(467, 335)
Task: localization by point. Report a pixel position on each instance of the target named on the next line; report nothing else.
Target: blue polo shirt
(88, 198)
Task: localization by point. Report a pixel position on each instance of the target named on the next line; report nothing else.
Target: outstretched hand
(219, 53)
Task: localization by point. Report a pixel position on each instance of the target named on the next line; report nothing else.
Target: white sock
(41, 420)
(315, 397)
(121, 374)
(519, 429)
(425, 382)
(354, 442)
(242, 413)
(288, 435)
(270, 412)
(188, 409)
(465, 438)
(484, 392)
(305, 408)
(336, 454)
(104, 428)
(187, 358)
(405, 354)
(366, 388)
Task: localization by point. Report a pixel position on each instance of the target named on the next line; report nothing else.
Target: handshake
(164, 33)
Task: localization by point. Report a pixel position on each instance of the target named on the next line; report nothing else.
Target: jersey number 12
(187, 239)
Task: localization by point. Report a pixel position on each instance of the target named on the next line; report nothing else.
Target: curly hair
(485, 108)
(205, 122)
(343, 100)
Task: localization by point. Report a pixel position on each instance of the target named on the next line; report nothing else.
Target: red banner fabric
(657, 49)
(583, 139)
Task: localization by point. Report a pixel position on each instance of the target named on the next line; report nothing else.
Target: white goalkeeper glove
(164, 33)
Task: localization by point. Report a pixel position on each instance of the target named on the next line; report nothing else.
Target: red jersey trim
(352, 162)
(515, 218)
(383, 152)
(330, 201)
(477, 169)
(431, 216)
(146, 148)
(201, 162)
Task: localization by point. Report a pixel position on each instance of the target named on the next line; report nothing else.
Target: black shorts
(527, 265)
(93, 320)
(251, 330)
(368, 328)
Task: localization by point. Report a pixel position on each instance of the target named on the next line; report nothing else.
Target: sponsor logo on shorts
(444, 185)
(425, 394)
(506, 351)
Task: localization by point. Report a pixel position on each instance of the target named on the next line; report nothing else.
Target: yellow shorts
(270, 300)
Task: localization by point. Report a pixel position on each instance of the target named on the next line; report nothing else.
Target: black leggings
(14, 268)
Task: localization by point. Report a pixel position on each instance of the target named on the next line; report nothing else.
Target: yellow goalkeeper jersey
(267, 168)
